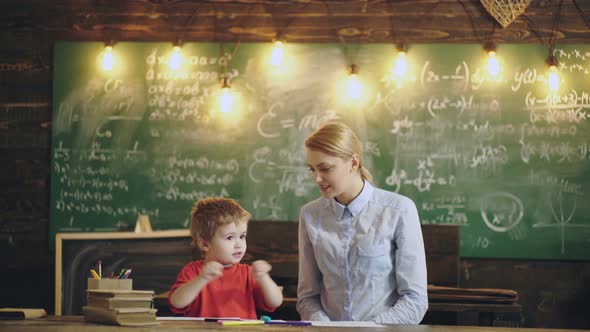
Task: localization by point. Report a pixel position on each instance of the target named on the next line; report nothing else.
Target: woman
(361, 253)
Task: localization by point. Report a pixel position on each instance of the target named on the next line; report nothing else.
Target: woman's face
(333, 175)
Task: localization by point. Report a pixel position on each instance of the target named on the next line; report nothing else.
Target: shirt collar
(356, 206)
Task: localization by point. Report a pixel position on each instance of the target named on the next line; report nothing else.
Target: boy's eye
(243, 236)
(310, 170)
(231, 237)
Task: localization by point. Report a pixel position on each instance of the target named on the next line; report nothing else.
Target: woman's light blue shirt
(364, 261)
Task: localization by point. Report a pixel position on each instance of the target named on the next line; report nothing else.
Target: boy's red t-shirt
(235, 294)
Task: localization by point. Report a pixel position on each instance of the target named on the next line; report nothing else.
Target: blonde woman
(361, 253)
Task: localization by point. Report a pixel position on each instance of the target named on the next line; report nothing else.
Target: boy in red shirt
(220, 286)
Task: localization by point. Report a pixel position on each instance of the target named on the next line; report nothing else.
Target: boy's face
(228, 244)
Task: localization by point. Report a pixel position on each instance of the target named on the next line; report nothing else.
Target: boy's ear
(203, 244)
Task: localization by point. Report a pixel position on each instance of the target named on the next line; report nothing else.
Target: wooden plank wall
(554, 294)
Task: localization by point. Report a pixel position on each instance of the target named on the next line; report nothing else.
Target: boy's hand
(211, 270)
(260, 269)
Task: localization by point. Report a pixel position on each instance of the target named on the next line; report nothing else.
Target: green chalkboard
(502, 157)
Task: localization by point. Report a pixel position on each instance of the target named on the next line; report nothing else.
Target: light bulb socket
(177, 42)
(552, 61)
(109, 43)
(353, 69)
(278, 39)
(402, 47)
(225, 82)
(489, 46)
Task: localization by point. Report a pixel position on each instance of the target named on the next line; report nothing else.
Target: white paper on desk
(180, 318)
(195, 318)
(345, 324)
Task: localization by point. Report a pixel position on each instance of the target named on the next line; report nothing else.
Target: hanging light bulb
(107, 58)
(354, 84)
(493, 64)
(176, 57)
(226, 99)
(553, 76)
(277, 53)
(401, 62)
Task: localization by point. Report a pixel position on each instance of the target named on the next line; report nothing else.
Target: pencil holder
(124, 284)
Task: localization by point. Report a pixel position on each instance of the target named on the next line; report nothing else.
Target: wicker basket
(505, 11)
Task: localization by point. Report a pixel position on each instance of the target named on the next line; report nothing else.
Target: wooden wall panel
(553, 294)
(299, 21)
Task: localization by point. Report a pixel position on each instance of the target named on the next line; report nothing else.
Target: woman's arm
(309, 280)
(410, 272)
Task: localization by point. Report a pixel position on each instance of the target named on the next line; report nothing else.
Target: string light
(226, 98)
(107, 58)
(553, 77)
(277, 53)
(401, 62)
(354, 84)
(176, 57)
(493, 64)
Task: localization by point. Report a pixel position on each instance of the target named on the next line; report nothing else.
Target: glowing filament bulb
(277, 54)
(175, 58)
(107, 58)
(401, 65)
(354, 87)
(553, 78)
(226, 98)
(493, 65)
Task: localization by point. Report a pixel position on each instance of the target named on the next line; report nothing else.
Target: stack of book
(120, 307)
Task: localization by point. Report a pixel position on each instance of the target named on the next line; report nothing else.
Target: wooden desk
(498, 315)
(77, 324)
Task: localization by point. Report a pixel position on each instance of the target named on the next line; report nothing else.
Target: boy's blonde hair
(338, 140)
(210, 213)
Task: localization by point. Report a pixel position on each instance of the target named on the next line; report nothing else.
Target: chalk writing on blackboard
(499, 156)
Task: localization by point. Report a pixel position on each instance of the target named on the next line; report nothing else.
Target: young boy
(219, 286)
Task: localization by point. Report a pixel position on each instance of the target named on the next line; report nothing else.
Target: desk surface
(77, 324)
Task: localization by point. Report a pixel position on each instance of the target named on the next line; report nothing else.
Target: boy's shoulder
(194, 266)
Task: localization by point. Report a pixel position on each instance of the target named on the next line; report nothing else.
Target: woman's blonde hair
(210, 213)
(338, 140)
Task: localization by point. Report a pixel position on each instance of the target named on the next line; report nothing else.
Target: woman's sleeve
(410, 271)
(309, 280)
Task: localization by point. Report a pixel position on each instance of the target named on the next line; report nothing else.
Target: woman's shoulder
(315, 205)
(391, 199)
